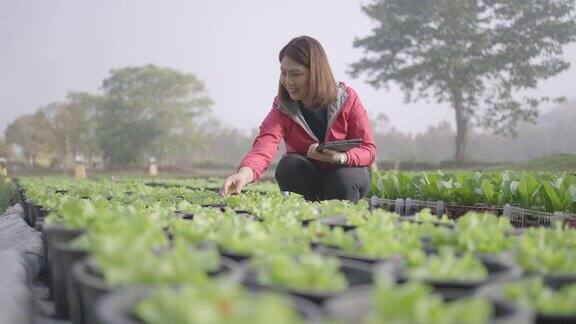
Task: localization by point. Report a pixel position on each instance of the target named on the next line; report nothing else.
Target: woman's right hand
(236, 182)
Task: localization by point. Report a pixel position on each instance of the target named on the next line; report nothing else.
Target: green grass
(556, 162)
(551, 163)
(7, 194)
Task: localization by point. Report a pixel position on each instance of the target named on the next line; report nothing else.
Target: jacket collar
(292, 110)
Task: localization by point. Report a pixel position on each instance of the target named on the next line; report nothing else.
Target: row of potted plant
(289, 247)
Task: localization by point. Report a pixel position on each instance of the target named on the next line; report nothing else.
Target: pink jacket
(347, 119)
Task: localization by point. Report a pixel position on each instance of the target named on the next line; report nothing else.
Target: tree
(474, 54)
(33, 133)
(225, 145)
(74, 126)
(5, 149)
(150, 110)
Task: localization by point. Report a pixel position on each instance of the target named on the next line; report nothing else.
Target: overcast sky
(48, 47)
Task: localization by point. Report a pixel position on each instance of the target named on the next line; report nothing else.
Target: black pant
(296, 173)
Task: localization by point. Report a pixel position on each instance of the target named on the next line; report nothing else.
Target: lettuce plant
(535, 294)
(215, 302)
(414, 302)
(310, 272)
(447, 266)
(547, 251)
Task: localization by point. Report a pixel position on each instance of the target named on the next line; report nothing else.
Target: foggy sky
(49, 47)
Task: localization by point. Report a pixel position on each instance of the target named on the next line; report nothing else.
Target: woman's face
(294, 77)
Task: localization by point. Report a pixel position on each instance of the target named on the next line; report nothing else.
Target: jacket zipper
(332, 123)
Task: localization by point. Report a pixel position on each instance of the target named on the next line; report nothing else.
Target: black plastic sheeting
(21, 260)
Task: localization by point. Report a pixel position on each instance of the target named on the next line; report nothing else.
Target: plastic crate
(522, 218)
(457, 211)
(570, 220)
(413, 206)
(393, 205)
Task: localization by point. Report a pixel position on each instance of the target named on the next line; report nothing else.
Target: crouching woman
(310, 108)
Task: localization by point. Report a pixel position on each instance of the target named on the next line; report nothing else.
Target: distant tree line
(143, 112)
(553, 133)
(151, 111)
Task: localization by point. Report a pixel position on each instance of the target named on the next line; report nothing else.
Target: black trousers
(297, 173)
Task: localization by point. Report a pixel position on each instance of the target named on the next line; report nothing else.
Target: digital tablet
(340, 146)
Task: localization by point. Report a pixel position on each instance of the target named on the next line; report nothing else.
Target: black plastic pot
(29, 216)
(356, 273)
(344, 255)
(183, 214)
(305, 222)
(337, 221)
(354, 305)
(231, 269)
(247, 213)
(187, 215)
(39, 225)
(215, 189)
(222, 206)
(117, 307)
(92, 286)
(31, 212)
(238, 257)
(557, 281)
(555, 319)
(27, 211)
(37, 214)
(44, 212)
(52, 235)
(66, 299)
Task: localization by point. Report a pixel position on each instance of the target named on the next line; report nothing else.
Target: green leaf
(488, 192)
(550, 198)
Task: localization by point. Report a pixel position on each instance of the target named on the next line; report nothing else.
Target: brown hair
(308, 52)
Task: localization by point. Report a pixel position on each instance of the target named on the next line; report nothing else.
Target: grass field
(7, 193)
(558, 162)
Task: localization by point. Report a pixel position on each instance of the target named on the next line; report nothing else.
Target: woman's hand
(327, 155)
(234, 183)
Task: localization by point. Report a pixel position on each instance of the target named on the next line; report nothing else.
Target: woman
(310, 108)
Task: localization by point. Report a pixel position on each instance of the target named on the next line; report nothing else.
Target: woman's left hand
(327, 155)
